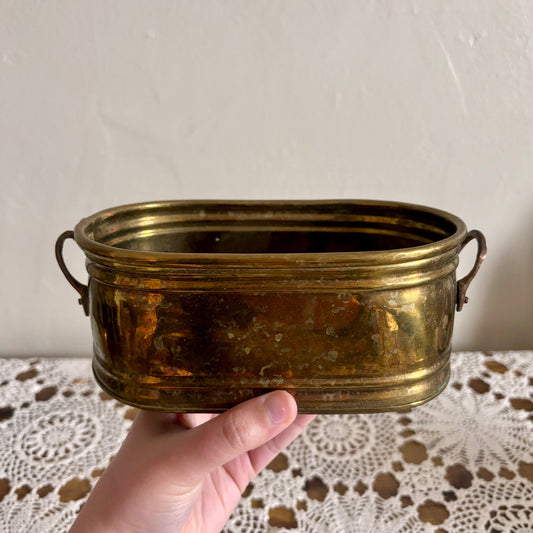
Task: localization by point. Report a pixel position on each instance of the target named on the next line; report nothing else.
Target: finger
(245, 427)
(152, 423)
(192, 420)
(262, 456)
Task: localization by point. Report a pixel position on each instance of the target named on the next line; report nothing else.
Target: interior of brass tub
(257, 229)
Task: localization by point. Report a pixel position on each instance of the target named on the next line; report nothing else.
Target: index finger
(192, 420)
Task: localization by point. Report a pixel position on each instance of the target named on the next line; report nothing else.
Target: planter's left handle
(80, 287)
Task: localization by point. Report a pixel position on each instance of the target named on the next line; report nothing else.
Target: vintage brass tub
(196, 306)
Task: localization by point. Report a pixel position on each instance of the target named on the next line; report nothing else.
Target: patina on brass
(196, 306)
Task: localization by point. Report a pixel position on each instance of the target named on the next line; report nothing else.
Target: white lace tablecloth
(461, 463)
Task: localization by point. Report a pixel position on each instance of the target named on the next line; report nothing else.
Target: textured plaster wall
(104, 103)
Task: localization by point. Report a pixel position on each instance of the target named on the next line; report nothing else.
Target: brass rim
(96, 249)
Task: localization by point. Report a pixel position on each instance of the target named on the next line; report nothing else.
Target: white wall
(104, 103)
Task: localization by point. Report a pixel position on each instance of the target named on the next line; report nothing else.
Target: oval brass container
(196, 306)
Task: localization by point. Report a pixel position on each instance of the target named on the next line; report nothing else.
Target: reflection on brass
(196, 306)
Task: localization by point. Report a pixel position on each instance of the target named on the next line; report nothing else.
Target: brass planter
(196, 306)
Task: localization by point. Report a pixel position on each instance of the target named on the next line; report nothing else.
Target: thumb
(235, 432)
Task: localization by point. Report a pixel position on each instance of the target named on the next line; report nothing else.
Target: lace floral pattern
(461, 463)
(57, 433)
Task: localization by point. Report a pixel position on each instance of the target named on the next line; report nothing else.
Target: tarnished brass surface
(196, 306)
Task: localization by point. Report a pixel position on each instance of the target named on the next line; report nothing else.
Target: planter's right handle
(80, 287)
(462, 284)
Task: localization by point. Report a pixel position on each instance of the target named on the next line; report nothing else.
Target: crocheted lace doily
(461, 463)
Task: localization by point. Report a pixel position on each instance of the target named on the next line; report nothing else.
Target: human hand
(186, 472)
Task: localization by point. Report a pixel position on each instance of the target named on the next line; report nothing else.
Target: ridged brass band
(348, 277)
(352, 396)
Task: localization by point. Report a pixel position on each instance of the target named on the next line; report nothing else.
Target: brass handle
(80, 287)
(462, 284)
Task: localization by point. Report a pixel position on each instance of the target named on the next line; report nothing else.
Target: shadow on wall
(506, 305)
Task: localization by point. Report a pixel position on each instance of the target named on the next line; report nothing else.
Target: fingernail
(277, 407)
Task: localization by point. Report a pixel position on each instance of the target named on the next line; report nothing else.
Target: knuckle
(235, 433)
